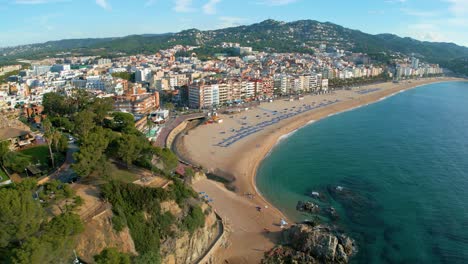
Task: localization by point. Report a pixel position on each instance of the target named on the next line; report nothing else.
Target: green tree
(53, 244)
(79, 100)
(52, 137)
(169, 159)
(20, 216)
(149, 122)
(4, 149)
(124, 75)
(55, 104)
(130, 148)
(112, 256)
(194, 220)
(61, 122)
(123, 122)
(188, 172)
(92, 152)
(84, 123)
(148, 258)
(31, 251)
(101, 107)
(61, 144)
(15, 161)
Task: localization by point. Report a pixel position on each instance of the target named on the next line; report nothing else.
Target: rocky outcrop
(332, 213)
(171, 206)
(308, 244)
(99, 234)
(308, 207)
(198, 176)
(187, 248)
(183, 248)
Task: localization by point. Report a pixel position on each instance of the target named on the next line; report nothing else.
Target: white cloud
(210, 7)
(277, 2)
(426, 32)
(418, 13)
(104, 4)
(458, 7)
(183, 6)
(227, 21)
(447, 24)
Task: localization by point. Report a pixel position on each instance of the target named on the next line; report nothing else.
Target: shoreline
(243, 160)
(253, 175)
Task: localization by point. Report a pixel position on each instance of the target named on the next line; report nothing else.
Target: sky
(35, 21)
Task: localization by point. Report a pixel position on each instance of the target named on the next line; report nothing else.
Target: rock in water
(307, 244)
(308, 207)
(332, 213)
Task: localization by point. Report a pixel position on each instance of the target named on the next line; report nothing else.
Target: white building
(38, 70)
(104, 61)
(204, 96)
(143, 75)
(325, 84)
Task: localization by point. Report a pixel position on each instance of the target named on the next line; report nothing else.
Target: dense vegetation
(138, 208)
(103, 134)
(124, 75)
(460, 64)
(339, 83)
(268, 35)
(28, 231)
(17, 161)
(112, 256)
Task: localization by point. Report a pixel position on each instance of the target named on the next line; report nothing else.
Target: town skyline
(49, 20)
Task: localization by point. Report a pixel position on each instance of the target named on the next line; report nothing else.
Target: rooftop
(9, 132)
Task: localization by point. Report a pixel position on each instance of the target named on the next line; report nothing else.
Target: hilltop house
(18, 137)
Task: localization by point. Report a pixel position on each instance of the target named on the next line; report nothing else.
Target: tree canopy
(112, 256)
(27, 233)
(20, 216)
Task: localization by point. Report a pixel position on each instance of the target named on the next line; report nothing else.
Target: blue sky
(33, 21)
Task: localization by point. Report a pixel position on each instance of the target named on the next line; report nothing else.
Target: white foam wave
(285, 136)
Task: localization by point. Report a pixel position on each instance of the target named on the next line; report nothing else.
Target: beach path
(244, 224)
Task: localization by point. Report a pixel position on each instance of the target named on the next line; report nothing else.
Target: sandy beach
(235, 148)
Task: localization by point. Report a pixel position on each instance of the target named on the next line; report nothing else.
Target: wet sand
(228, 150)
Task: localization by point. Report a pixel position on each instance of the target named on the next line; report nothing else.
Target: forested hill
(268, 35)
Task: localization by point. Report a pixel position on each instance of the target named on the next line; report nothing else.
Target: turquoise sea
(403, 163)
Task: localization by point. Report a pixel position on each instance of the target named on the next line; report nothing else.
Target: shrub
(194, 220)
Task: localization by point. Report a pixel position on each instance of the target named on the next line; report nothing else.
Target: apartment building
(204, 95)
(137, 103)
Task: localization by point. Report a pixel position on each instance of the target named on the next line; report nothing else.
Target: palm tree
(52, 136)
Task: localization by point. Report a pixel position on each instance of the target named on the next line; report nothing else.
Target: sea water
(404, 163)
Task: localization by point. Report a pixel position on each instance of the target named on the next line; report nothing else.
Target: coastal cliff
(99, 234)
(186, 247)
(183, 248)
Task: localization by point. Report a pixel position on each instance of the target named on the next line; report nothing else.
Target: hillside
(269, 35)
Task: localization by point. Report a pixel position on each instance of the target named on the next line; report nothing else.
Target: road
(65, 173)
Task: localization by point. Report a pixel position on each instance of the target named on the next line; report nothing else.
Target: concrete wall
(173, 134)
